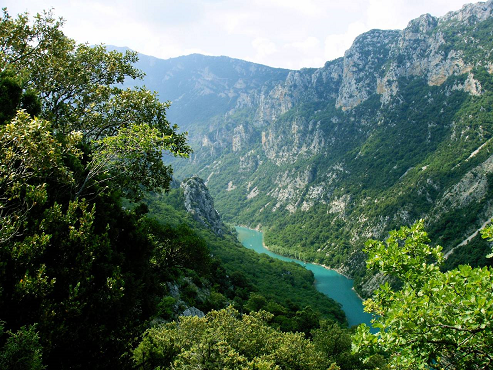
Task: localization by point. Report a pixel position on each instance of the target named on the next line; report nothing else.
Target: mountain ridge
(396, 130)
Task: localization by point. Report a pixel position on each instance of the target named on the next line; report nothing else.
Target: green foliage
(177, 247)
(10, 96)
(335, 342)
(126, 130)
(78, 281)
(29, 156)
(73, 262)
(474, 46)
(13, 97)
(487, 233)
(411, 243)
(21, 350)
(225, 339)
(474, 253)
(436, 319)
(25, 43)
(258, 281)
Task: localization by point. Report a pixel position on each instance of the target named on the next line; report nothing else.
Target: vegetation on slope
(82, 275)
(258, 281)
(437, 319)
(227, 340)
(75, 273)
(355, 174)
(389, 165)
(86, 282)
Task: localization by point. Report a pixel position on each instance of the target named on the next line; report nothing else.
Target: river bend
(328, 282)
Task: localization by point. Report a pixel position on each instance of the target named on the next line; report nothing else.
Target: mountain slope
(248, 280)
(322, 159)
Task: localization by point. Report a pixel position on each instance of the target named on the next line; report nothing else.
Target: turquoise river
(329, 282)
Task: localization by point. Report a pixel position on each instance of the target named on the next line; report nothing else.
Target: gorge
(112, 257)
(112, 250)
(395, 131)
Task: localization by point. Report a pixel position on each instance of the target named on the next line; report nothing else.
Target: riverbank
(338, 270)
(327, 281)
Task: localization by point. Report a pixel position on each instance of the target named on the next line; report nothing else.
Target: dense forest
(92, 251)
(101, 266)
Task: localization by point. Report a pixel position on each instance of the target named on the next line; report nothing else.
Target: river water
(329, 282)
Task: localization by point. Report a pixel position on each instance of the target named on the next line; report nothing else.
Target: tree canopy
(227, 340)
(125, 131)
(74, 265)
(81, 276)
(437, 319)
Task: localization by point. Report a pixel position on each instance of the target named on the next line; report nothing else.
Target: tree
(73, 262)
(438, 319)
(225, 339)
(176, 247)
(487, 233)
(335, 343)
(29, 156)
(21, 350)
(125, 131)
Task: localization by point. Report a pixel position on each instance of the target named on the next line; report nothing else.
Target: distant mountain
(322, 159)
(201, 87)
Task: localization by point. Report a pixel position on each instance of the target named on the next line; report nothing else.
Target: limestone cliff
(200, 204)
(397, 129)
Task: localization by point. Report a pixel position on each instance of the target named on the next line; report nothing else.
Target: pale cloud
(383, 14)
(337, 44)
(280, 33)
(307, 7)
(235, 22)
(263, 48)
(308, 51)
(308, 45)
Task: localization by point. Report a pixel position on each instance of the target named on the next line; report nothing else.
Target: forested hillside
(95, 245)
(107, 262)
(322, 159)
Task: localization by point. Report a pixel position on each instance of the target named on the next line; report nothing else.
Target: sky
(279, 33)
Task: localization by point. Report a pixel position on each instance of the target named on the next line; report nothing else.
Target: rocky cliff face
(200, 204)
(396, 130)
(378, 58)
